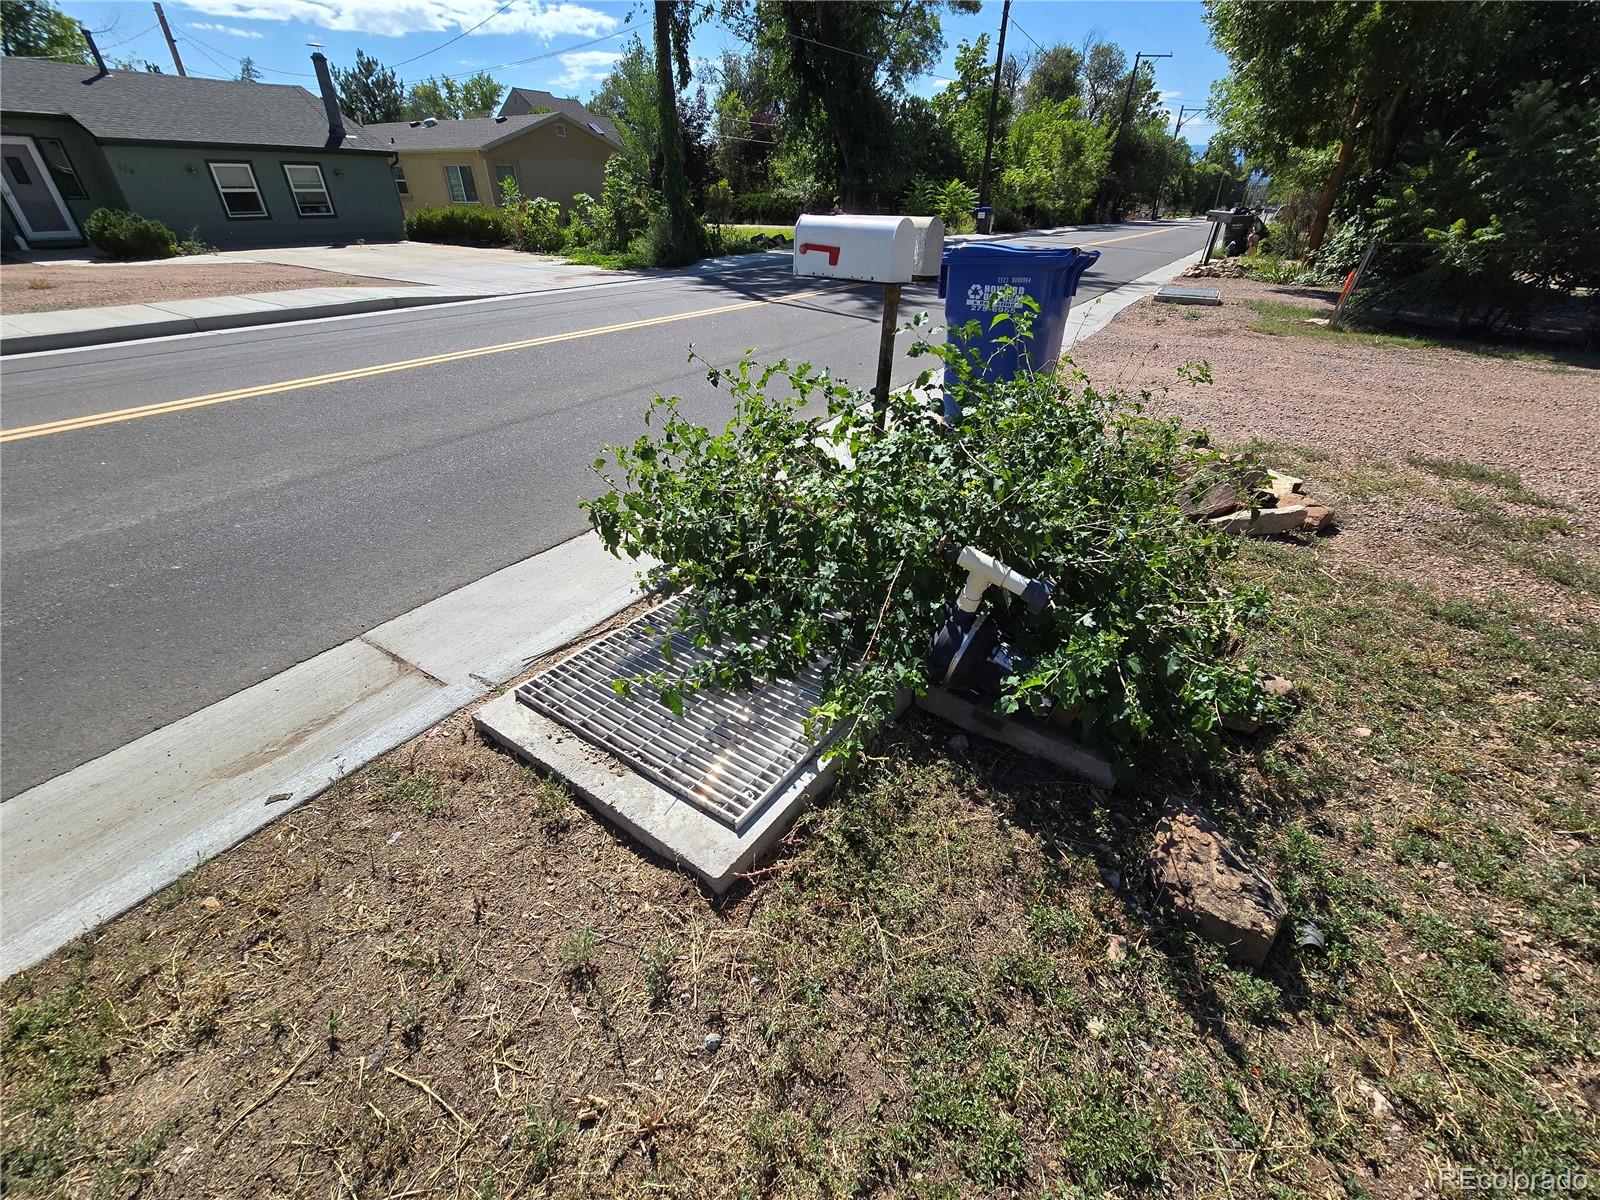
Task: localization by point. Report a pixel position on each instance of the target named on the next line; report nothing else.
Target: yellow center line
(115, 416)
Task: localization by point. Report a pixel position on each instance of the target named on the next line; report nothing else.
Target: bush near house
(120, 234)
(458, 225)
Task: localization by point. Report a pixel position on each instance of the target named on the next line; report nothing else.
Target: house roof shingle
(469, 133)
(524, 100)
(146, 107)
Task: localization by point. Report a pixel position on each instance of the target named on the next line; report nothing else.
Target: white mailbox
(930, 247)
(873, 249)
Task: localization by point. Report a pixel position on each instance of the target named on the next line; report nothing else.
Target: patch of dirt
(1360, 399)
(45, 287)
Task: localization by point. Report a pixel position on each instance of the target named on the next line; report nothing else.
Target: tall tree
(844, 64)
(248, 71)
(1056, 74)
(628, 96)
(369, 91)
(37, 29)
(964, 105)
(480, 95)
(1105, 72)
(448, 99)
(683, 242)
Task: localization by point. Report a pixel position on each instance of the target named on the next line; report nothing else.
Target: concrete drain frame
(624, 776)
(693, 789)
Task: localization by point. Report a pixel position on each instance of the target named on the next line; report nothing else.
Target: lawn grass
(443, 977)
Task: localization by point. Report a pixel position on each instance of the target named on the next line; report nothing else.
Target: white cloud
(583, 67)
(1165, 96)
(230, 30)
(395, 18)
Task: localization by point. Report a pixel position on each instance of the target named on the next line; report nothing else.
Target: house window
(400, 179)
(503, 172)
(463, 188)
(19, 173)
(561, 130)
(309, 189)
(54, 153)
(236, 184)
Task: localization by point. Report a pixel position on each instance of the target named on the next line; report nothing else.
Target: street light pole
(1116, 140)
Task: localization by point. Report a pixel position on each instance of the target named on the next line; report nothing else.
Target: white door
(38, 207)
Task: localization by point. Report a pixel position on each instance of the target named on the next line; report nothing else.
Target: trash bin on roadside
(984, 215)
(981, 279)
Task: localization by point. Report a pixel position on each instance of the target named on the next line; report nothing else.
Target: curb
(73, 339)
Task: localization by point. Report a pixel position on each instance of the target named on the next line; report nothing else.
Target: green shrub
(624, 208)
(585, 222)
(764, 208)
(458, 225)
(953, 202)
(795, 559)
(719, 200)
(121, 234)
(533, 225)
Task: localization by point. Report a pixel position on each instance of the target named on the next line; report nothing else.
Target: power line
(126, 40)
(538, 57)
(188, 36)
(1027, 35)
(458, 36)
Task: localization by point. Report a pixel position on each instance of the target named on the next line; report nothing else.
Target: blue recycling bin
(979, 280)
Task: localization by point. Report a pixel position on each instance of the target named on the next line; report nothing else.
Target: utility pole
(171, 45)
(1185, 111)
(1116, 139)
(994, 107)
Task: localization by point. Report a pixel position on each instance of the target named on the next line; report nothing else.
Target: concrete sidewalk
(25, 333)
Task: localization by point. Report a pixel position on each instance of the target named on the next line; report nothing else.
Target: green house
(234, 164)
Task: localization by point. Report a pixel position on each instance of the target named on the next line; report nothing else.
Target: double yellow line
(116, 416)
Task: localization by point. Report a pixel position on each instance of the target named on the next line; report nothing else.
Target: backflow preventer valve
(970, 652)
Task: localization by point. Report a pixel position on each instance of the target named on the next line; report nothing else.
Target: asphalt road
(156, 562)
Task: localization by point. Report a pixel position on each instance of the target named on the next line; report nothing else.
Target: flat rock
(1265, 522)
(1203, 502)
(1206, 879)
(1282, 487)
(1320, 517)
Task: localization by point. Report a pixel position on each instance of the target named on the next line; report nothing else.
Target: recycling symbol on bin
(993, 297)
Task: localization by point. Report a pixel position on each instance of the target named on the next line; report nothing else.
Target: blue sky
(566, 46)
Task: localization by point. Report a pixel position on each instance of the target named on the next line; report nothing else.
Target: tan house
(463, 162)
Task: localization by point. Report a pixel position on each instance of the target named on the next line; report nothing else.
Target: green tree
(1056, 74)
(248, 71)
(1105, 75)
(37, 29)
(628, 96)
(963, 106)
(449, 99)
(681, 239)
(842, 65)
(369, 91)
(480, 95)
(1053, 160)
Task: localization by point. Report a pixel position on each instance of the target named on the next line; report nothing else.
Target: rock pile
(1255, 501)
(1217, 268)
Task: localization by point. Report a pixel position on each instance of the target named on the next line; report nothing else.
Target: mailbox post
(868, 250)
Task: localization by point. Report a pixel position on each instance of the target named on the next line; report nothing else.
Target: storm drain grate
(727, 755)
